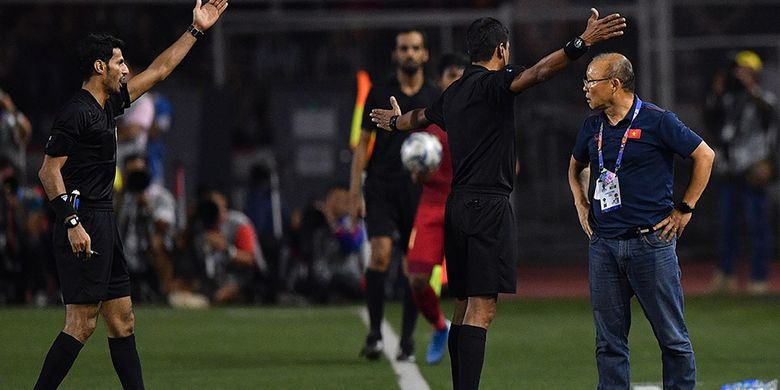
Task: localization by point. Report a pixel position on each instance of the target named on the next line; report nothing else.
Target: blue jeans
(754, 204)
(646, 267)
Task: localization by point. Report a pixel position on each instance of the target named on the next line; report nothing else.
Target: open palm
(205, 15)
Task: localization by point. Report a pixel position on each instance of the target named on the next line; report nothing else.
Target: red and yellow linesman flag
(363, 87)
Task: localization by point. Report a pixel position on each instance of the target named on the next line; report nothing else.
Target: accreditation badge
(607, 191)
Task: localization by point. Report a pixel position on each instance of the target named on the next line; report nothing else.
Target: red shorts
(426, 243)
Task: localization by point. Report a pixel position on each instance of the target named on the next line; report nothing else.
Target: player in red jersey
(426, 244)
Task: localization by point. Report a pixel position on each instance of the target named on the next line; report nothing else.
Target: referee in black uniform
(390, 196)
(477, 112)
(81, 156)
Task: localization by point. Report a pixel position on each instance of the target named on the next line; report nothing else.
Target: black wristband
(195, 32)
(62, 208)
(575, 48)
(72, 222)
(394, 122)
(685, 208)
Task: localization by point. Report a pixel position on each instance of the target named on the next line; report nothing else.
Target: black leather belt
(636, 232)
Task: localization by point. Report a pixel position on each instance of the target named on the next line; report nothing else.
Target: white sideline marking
(408, 374)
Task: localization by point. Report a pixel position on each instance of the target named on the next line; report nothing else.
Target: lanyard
(623, 142)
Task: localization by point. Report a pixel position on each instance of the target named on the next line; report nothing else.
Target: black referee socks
(452, 344)
(375, 298)
(471, 353)
(408, 320)
(127, 365)
(62, 354)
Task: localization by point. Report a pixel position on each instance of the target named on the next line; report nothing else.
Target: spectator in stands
(744, 117)
(15, 132)
(155, 148)
(146, 218)
(259, 208)
(331, 253)
(25, 274)
(227, 251)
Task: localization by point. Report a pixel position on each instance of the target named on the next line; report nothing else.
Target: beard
(410, 68)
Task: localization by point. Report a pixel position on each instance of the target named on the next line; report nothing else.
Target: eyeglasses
(589, 83)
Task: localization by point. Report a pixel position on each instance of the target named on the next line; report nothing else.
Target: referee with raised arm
(477, 112)
(78, 176)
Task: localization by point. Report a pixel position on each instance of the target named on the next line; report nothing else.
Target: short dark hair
(413, 30)
(482, 38)
(452, 59)
(620, 68)
(96, 47)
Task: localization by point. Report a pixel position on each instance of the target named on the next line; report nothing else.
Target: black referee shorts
(390, 209)
(480, 243)
(103, 277)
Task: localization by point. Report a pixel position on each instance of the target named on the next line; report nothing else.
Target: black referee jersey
(86, 133)
(477, 112)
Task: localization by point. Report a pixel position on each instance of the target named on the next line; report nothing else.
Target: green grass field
(540, 344)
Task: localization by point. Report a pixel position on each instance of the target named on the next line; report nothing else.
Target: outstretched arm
(203, 17)
(412, 120)
(597, 30)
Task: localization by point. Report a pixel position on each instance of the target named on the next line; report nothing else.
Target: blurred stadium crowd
(232, 221)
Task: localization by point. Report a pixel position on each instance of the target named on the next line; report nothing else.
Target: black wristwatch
(685, 208)
(195, 32)
(579, 43)
(72, 222)
(575, 48)
(393, 122)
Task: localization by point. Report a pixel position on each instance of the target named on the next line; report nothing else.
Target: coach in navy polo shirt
(631, 219)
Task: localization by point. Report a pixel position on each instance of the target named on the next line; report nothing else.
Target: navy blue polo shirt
(647, 171)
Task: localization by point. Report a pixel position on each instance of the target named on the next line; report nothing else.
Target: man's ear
(501, 48)
(98, 66)
(616, 84)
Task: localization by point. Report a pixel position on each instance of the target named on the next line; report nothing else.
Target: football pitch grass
(533, 344)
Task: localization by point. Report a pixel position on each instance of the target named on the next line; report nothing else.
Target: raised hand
(382, 117)
(602, 29)
(204, 16)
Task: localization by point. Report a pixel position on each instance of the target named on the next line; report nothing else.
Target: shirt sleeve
(65, 131)
(120, 101)
(499, 83)
(580, 151)
(245, 238)
(435, 112)
(677, 136)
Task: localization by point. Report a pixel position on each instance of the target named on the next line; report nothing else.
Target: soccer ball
(421, 151)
